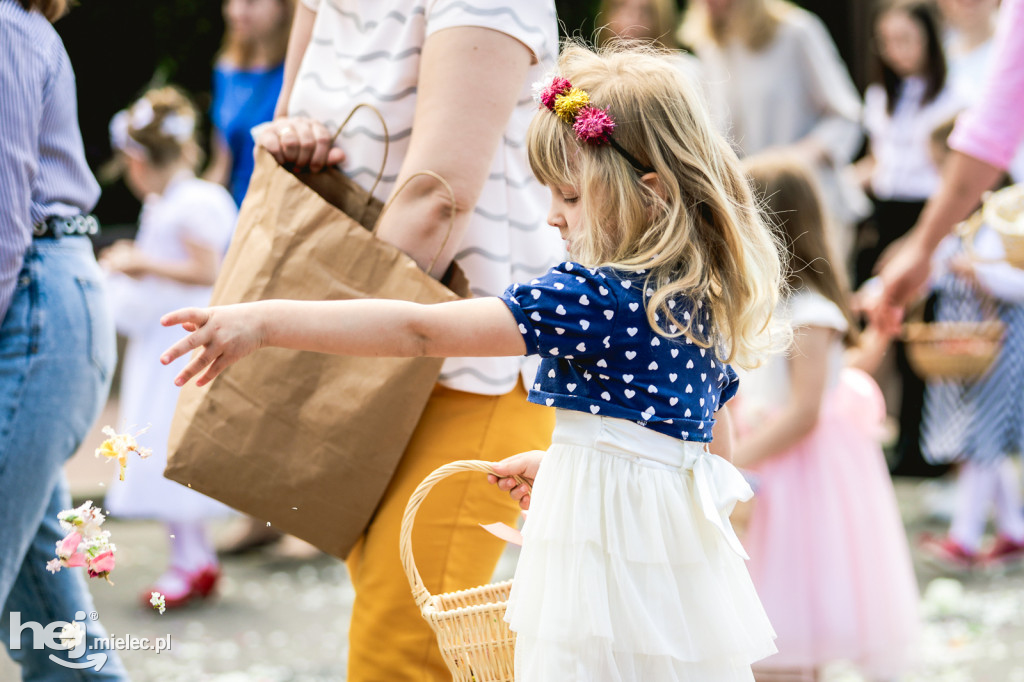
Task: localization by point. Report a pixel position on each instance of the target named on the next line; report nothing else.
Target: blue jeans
(57, 355)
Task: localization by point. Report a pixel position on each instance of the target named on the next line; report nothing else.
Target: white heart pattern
(653, 366)
(551, 374)
(572, 387)
(625, 283)
(647, 414)
(584, 300)
(629, 392)
(549, 401)
(632, 331)
(633, 306)
(655, 341)
(609, 314)
(687, 413)
(602, 363)
(675, 352)
(581, 347)
(554, 351)
(559, 286)
(689, 364)
(585, 324)
(535, 316)
(535, 293)
(673, 400)
(559, 331)
(689, 388)
(627, 378)
(652, 389)
(602, 291)
(594, 409)
(606, 395)
(522, 328)
(672, 377)
(703, 376)
(560, 309)
(630, 354)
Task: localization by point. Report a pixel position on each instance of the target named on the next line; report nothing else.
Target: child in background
(977, 422)
(630, 569)
(828, 553)
(911, 96)
(184, 230)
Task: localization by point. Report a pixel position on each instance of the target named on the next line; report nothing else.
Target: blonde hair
(662, 33)
(163, 124)
(792, 197)
(753, 22)
(696, 232)
(241, 53)
(51, 9)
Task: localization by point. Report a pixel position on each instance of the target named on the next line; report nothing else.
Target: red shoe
(947, 553)
(199, 584)
(1004, 551)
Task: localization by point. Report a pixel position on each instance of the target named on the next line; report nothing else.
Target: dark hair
(923, 14)
(51, 9)
(790, 196)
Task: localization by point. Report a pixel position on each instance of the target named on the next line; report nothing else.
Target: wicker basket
(471, 630)
(952, 350)
(1004, 212)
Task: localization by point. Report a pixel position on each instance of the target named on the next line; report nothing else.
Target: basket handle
(419, 590)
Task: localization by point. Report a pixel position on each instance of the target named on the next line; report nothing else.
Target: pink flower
(67, 546)
(559, 86)
(593, 125)
(75, 560)
(103, 563)
(53, 565)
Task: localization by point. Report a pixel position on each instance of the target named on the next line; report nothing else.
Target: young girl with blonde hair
(630, 568)
(184, 230)
(828, 553)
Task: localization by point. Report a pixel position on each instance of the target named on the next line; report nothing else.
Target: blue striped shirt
(42, 162)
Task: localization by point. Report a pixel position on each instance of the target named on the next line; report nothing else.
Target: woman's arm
(836, 136)
(454, 137)
(482, 327)
(808, 368)
(219, 168)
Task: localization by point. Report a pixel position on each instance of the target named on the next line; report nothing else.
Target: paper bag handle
(419, 590)
(451, 219)
(387, 138)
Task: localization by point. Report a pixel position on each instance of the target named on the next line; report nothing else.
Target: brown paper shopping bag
(305, 441)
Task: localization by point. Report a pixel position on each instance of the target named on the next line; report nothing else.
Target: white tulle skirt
(629, 568)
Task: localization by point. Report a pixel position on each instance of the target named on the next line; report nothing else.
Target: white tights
(191, 548)
(978, 487)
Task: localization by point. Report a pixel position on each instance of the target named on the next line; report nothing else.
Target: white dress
(197, 211)
(630, 569)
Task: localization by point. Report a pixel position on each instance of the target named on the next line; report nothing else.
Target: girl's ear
(654, 183)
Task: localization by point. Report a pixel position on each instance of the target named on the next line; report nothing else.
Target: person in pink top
(983, 143)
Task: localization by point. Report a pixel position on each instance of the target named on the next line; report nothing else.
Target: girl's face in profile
(253, 19)
(566, 212)
(901, 42)
(632, 19)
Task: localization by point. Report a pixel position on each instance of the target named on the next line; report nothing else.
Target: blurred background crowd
(864, 94)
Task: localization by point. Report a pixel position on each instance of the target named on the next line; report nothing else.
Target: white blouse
(795, 87)
(901, 142)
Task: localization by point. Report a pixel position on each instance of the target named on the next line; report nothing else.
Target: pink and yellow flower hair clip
(591, 124)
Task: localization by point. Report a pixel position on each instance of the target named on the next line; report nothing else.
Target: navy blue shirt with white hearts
(601, 356)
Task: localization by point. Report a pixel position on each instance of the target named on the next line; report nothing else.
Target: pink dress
(828, 554)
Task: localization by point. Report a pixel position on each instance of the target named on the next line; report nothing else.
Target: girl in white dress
(184, 229)
(630, 569)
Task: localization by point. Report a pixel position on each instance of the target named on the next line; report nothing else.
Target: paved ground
(285, 620)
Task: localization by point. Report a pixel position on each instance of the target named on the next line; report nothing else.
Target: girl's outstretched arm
(808, 370)
(481, 327)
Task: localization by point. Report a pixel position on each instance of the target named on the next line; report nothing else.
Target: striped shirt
(42, 162)
(367, 51)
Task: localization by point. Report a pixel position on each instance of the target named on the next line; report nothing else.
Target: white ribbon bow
(720, 485)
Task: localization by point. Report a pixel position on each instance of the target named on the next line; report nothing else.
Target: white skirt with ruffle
(630, 569)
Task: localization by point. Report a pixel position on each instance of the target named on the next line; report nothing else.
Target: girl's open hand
(524, 465)
(225, 334)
